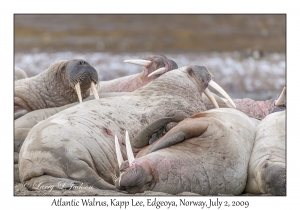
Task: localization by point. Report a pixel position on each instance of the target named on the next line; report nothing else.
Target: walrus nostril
(83, 63)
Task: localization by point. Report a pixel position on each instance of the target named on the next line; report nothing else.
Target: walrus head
(134, 178)
(154, 65)
(81, 76)
(274, 178)
(157, 65)
(62, 83)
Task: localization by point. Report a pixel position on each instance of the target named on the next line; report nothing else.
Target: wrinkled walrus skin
(78, 143)
(54, 87)
(267, 167)
(105, 89)
(207, 154)
(25, 123)
(255, 109)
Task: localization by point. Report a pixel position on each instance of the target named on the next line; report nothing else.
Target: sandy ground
(156, 33)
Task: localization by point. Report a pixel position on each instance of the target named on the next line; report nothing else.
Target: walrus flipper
(171, 140)
(143, 137)
(177, 135)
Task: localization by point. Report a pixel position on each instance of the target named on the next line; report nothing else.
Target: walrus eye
(63, 68)
(61, 72)
(190, 71)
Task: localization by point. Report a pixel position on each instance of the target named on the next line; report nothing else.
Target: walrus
(77, 144)
(267, 166)
(154, 66)
(64, 82)
(252, 108)
(207, 154)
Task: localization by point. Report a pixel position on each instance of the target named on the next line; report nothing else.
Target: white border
(254, 6)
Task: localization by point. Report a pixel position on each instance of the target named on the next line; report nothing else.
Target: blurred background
(246, 53)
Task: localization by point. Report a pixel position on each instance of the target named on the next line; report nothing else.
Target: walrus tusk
(211, 97)
(94, 90)
(78, 91)
(158, 71)
(130, 155)
(281, 100)
(138, 62)
(118, 151)
(220, 90)
(119, 156)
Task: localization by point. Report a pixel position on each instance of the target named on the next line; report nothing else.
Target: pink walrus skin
(154, 66)
(105, 89)
(256, 109)
(207, 154)
(77, 144)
